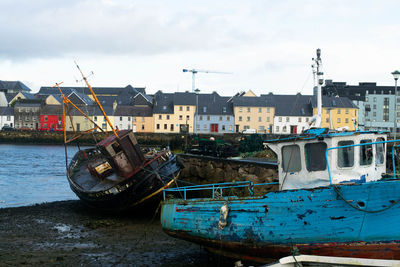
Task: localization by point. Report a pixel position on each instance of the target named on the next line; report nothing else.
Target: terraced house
(253, 112)
(214, 114)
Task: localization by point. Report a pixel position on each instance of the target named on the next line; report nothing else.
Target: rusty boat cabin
(334, 198)
(116, 175)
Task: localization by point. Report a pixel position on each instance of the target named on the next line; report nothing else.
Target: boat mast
(317, 69)
(97, 101)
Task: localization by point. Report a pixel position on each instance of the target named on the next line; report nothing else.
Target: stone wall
(207, 170)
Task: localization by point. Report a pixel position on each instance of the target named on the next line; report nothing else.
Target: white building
(6, 117)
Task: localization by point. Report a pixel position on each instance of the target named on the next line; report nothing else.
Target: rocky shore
(67, 233)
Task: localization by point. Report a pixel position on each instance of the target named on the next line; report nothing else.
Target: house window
(224, 109)
(267, 110)
(103, 126)
(228, 118)
(134, 119)
(315, 156)
(230, 127)
(165, 126)
(299, 119)
(167, 117)
(338, 111)
(120, 118)
(223, 127)
(345, 154)
(220, 118)
(268, 119)
(259, 110)
(104, 118)
(143, 127)
(248, 118)
(180, 117)
(208, 118)
(366, 153)
(160, 117)
(259, 119)
(45, 125)
(158, 126)
(284, 129)
(380, 151)
(142, 119)
(280, 119)
(171, 127)
(95, 118)
(201, 118)
(327, 120)
(129, 118)
(347, 111)
(197, 126)
(187, 108)
(338, 120)
(180, 108)
(187, 117)
(291, 158)
(261, 128)
(347, 120)
(248, 109)
(45, 118)
(204, 109)
(240, 118)
(240, 109)
(287, 119)
(205, 126)
(277, 128)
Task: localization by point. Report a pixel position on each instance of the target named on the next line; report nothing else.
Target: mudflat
(67, 233)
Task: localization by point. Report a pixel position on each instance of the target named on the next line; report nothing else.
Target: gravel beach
(67, 233)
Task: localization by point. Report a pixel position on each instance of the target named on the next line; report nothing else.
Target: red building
(51, 118)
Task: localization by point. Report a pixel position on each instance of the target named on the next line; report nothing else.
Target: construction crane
(194, 71)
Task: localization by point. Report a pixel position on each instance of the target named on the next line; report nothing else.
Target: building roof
(6, 111)
(46, 90)
(214, 104)
(333, 102)
(186, 98)
(133, 111)
(13, 85)
(164, 103)
(252, 101)
(85, 99)
(355, 92)
(292, 105)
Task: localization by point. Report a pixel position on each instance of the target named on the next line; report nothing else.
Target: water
(31, 174)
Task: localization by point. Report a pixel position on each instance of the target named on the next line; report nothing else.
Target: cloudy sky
(266, 45)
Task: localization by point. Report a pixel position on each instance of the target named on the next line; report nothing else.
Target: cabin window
(291, 158)
(315, 156)
(366, 153)
(345, 154)
(380, 151)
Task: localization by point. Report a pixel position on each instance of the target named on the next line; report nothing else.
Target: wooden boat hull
(310, 221)
(121, 193)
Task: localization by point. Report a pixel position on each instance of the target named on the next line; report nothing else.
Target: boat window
(291, 158)
(345, 154)
(380, 151)
(315, 156)
(366, 153)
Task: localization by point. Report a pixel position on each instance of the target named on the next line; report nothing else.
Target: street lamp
(396, 75)
(196, 114)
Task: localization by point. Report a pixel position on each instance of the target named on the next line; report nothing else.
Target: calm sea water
(31, 174)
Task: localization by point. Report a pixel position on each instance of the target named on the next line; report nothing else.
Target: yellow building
(253, 113)
(337, 112)
(174, 113)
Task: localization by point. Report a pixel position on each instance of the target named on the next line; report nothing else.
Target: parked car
(7, 128)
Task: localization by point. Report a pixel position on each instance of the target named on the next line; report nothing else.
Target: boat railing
(218, 190)
(363, 144)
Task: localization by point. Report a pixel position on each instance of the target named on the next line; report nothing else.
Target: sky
(264, 46)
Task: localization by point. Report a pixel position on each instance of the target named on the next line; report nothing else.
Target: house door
(237, 128)
(214, 128)
(134, 128)
(293, 129)
(78, 127)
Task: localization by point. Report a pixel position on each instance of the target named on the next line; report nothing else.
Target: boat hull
(140, 188)
(308, 221)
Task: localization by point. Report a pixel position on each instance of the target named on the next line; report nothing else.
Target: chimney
(115, 105)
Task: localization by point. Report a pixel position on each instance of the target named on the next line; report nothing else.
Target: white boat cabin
(302, 161)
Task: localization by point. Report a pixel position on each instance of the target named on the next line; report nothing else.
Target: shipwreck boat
(334, 199)
(115, 174)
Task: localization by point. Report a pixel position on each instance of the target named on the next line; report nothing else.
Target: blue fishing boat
(334, 199)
